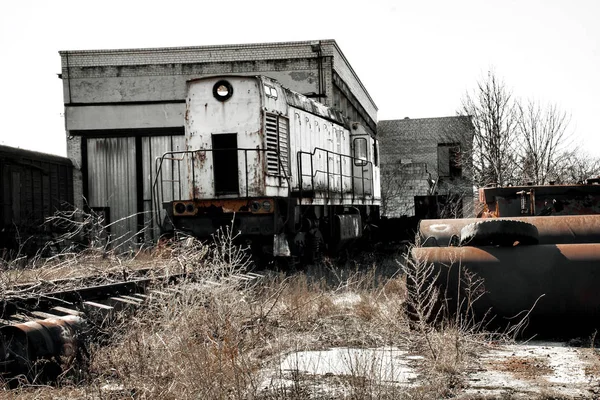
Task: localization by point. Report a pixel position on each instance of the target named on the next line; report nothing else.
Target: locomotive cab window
(270, 91)
(360, 151)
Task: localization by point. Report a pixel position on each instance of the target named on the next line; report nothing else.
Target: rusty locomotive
(294, 177)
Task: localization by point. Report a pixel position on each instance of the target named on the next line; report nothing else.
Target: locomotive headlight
(189, 208)
(255, 206)
(266, 205)
(179, 208)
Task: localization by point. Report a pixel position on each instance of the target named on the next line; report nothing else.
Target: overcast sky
(416, 58)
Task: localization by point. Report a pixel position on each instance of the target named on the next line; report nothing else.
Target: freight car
(34, 186)
(296, 177)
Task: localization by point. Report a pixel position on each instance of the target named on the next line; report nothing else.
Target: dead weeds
(228, 341)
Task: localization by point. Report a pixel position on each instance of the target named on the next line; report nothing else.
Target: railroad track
(37, 326)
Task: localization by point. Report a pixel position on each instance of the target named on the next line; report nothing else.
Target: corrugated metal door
(112, 185)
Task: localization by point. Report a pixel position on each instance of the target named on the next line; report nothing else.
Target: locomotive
(293, 176)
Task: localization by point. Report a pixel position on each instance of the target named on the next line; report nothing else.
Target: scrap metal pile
(537, 249)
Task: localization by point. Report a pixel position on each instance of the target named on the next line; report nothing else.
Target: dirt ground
(533, 370)
(536, 369)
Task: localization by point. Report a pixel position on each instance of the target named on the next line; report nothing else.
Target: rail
(39, 328)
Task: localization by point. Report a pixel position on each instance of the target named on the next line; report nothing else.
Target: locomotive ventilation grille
(277, 145)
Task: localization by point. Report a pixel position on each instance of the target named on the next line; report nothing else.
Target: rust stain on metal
(26, 343)
(551, 229)
(200, 156)
(196, 192)
(540, 200)
(234, 205)
(552, 281)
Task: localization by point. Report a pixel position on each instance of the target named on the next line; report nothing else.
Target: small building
(124, 108)
(426, 167)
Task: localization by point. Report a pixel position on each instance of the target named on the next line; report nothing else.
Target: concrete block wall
(168, 82)
(135, 70)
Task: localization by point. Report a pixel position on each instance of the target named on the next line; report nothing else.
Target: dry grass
(228, 341)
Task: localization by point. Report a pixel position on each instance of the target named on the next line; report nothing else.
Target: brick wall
(196, 54)
(409, 150)
(401, 183)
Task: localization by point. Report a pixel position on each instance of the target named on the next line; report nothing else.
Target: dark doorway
(225, 161)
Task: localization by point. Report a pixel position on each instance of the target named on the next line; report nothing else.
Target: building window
(449, 160)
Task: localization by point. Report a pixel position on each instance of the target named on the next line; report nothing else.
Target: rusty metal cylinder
(551, 229)
(26, 343)
(559, 282)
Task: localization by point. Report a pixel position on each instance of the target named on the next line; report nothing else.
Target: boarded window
(276, 128)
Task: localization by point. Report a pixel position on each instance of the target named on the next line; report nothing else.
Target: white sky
(416, 58)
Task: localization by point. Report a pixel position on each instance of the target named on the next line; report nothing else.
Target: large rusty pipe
(561, 280)
(49, 339)
(551, 229)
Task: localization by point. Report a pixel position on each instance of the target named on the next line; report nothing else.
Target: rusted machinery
(36, 348)
(537, 249)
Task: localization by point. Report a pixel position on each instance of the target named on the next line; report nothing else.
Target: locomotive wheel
(498, 233)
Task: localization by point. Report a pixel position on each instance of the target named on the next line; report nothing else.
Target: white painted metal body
(314, 150)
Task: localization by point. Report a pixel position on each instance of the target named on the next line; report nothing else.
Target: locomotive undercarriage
(289, 230)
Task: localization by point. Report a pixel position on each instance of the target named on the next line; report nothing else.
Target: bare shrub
(445, 332)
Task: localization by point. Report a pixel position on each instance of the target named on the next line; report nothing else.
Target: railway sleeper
(36, 349)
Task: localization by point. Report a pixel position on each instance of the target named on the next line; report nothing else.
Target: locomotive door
(363, 167)
(225, 164)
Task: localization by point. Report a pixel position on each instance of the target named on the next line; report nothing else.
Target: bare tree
(494, 116)
(577, 166)
(543, 137)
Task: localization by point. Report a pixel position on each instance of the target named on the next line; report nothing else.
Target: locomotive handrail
(313, 172)
(181, 155)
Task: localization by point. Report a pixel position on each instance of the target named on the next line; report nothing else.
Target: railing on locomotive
(182, 155)
(178, 157)
(341, 156)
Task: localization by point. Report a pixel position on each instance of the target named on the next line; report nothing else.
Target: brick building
(426, 157)
(123, 108)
